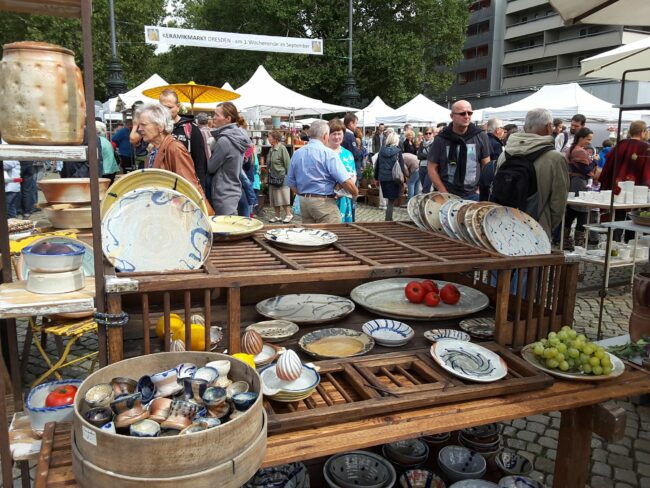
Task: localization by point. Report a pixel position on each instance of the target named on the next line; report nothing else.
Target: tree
(130, 16)
(400, 49)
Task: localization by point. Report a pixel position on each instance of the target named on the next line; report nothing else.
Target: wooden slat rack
(355, 388)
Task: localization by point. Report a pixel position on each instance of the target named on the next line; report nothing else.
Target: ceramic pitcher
(41, 95)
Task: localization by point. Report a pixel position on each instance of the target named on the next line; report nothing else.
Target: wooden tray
(355, 388)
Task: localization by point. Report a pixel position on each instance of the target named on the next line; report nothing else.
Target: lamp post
(350, 92)
(115, 83)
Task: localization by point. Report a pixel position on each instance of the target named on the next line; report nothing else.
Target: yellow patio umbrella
(194, 93)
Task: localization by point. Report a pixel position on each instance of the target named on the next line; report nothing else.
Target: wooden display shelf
(43, 153)
(383, 384)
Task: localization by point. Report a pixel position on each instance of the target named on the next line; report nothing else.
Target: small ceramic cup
(222, 366)
(134, 411)
(181, 414)
(206, 373)
(108, 427)
(185, 370)
(159, 409)
(126, 402)
(99, 416)
(166, 382)
(100, 395)
(123, 386)
(145, 428)
(236, 387)
(244, 401)
(194, 427)
(215, 401)
(194, 389)
(147, 388)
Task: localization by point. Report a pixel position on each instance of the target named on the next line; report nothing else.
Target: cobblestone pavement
(624, 464)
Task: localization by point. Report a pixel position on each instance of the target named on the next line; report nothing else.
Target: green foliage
(130, 15)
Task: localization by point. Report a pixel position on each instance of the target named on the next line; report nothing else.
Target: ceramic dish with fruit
(569, 355)
(51, 402)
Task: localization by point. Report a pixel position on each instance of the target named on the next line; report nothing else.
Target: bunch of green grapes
(567, 350)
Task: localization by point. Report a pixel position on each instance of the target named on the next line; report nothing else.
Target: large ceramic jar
(41, 95)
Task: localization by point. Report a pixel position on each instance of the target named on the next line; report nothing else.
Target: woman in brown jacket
(155, 126)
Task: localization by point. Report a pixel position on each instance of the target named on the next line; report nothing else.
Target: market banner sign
(229, 40)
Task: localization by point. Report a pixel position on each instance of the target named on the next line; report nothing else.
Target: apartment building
(524, 44)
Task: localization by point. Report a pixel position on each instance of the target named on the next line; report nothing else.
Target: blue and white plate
(515, 233)
(306, 308)
(155, 230)
(301, 238)
(469, 361)
(435, 335)
(388, 332)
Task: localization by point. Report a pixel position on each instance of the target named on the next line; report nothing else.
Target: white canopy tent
(265, 96)
(112, 106)
(612, 64)
(609, 12)
(418, 111)
(367, 116)
(563, 101)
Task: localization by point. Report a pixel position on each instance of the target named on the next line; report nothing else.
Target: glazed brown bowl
(71, 190)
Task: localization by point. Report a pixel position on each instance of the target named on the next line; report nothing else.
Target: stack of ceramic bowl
(409, 453)
(68, 201)
(289, 380)
(459, 463)
(293, 475)
(358, 469)
(484, 439)
(54, 268)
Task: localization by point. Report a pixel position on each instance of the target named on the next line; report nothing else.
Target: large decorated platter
(155, 230)
(617, 367)
(515, 233)
(233, 227)
(336, 343)
(469, 361)
(306, 308)
(301, 238)
(386, 298)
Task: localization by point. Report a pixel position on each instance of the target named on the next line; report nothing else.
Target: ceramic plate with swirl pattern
(469, 361)
(413, 208)
(306, 308)
(515, 233)
(301, 238)
(155, 230)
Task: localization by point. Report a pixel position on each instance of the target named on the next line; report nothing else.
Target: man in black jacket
(350, 143)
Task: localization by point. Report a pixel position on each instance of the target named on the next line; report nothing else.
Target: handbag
(398, 174)
(276, 179)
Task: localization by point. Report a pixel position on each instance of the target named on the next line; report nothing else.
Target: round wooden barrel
(176, 456)
(229, 474)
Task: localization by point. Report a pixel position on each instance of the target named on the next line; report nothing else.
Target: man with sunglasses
(458, 154)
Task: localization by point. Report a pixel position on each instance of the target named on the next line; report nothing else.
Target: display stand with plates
(469, 361)
(306, 308)
(301, 238)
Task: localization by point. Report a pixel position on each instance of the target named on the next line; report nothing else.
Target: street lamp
(115, 83)
(350, 92)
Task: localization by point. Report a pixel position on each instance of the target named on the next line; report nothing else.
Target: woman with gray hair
(388, 156)
(155, 126)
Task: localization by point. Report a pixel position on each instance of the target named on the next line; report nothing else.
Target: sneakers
(272, 220)
(287, 219)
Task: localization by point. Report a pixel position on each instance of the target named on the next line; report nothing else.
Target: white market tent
(418, 111)
(111, 109)
(367, 116)
(267, 97)
(563, 101)
(612, 64)
(610, 12)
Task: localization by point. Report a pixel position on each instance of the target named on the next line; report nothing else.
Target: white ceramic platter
(301, 238)
(476, 225)
(435, 335)
(155, 230)
(233, 227)
(617, 367)
(386, 297)
(471, 229)
(306, 308)
(469, 361)
(481, 328)
(388, 332)
(444, 218)
(515, 233)
(274, 330)
(336, 343)
(413, 209)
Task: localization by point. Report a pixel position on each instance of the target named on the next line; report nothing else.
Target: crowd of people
(533, 170)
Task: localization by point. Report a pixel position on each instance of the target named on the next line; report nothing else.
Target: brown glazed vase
(41, 95)
(640, 317)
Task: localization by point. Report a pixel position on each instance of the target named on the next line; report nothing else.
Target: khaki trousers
(319, 211)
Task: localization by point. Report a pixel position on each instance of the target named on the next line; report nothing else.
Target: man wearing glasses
(458, 154)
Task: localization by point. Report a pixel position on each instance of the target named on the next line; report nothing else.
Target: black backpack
(515, 180)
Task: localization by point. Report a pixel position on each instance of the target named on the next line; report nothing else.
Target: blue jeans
(425, 181)
(414, 186)
(248, 199)
(13, 199)
(473, 196)
(27, 190)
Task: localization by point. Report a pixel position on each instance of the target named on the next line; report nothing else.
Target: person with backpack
(392, 188)
(531, 175)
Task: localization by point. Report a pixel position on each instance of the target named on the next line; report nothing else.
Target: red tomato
(432, 299)
(415, 292)
(61, 395)
(430, 285)
(450, 294)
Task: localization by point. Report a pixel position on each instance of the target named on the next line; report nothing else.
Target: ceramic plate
(469, 361)
(435, 335)
(280, 397)
(155, 230)
(413, 209)
(432, 206)
(306, 308)
(515, 233)
(88, 263)
(452, 213)
(388, 332)
(477, 226)
(151, 178)
(617, 367)
(481, 328)
(386, 297)
(336, 343)
(274, 330)
(422, 202)
(308, 380)
(444, 217)
(233, 227)
(463, 233)
(301, 238)
(268, 354)
(469, 220)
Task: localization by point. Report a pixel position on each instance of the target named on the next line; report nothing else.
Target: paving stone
(534, 448)
(618, 449)
(642, 468)
(509, 431)
(623, 485)
(536, 427)
(600, 482)
(599, 455)
(644, 483)
(551, 454)
(519, 424)
(526, 435)
(602, 469)
(541, 419)
(548, 442)
(596, 443)
(516, 444)
(622, 462)
(642, 444)
(545, 465)
(625, 475)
